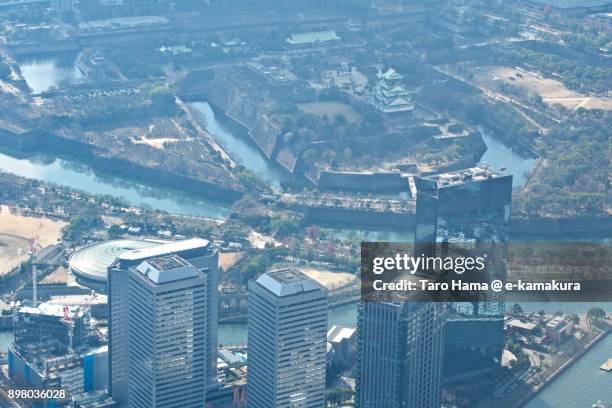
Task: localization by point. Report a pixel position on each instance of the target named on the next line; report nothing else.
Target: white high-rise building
(287, 341)
(167, 350)
(199, 253)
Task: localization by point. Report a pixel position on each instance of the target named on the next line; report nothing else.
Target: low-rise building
(94, 399)
(343, 341)
(558, 328)
(516, 325)
(313, 38)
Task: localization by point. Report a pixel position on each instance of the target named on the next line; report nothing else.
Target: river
(582, 384)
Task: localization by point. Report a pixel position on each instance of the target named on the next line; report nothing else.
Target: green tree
(517, 309)
(595, 315)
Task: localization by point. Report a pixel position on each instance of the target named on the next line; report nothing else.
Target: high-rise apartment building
(287, 341)
(199, 253)
(400, 354)
(166, 334)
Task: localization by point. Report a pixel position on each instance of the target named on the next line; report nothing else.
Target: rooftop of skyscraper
(167, 269)
(287, 282)
(454, 178)
(167, 263)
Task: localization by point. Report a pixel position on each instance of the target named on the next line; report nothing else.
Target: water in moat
(65, 172)
(499, 155)
(237, 146)
(44, 73)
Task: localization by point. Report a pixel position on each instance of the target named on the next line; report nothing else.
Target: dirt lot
(229, 259)
(330, 279)
(552, 91)
(15, 230)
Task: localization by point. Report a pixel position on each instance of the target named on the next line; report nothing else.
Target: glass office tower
(400, 354)
(469, 205)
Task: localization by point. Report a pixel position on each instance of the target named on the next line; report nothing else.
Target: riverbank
(39, 141)
(61, 171)
(565, 366)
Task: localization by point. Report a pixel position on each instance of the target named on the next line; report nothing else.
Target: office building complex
(167, 350)
(199, 253)
(468, 205)
(287, 341)
(400, 354)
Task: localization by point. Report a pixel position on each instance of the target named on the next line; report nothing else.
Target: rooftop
(522, 325)
(54, 310)
(164, 249)
(480, 173)
(232, 357)
(313, 37)
(390, 75)
(338, 333)
(287, 282)
(94, 399)
(167, 263)
(167, 269)
(555, 321)
(122, 23)
(92, 261)
(92, 299)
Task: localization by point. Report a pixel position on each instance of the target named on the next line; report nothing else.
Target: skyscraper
(167, 347)
(400, 354)
(473, 204)
(287, 341)
(199, 253)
